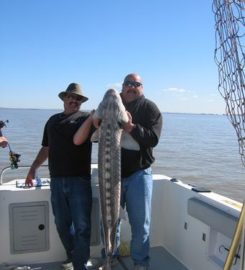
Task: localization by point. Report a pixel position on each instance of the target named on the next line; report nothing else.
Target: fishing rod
(13, 157)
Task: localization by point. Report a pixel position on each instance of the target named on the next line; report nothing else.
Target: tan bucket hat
(73, 88)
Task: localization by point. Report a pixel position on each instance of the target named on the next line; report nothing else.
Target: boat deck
(160, 259)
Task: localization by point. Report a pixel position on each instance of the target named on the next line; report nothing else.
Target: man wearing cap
(70, 173)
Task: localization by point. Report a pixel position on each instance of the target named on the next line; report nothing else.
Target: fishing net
(230, 59)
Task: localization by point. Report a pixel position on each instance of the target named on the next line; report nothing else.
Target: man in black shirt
(144, 126)
(69, 166)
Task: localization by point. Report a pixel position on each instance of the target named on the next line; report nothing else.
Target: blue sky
(47, 44)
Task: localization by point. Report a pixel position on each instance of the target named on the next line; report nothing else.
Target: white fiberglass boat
(192, 228)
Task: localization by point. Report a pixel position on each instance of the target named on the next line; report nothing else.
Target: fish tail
(108, 263)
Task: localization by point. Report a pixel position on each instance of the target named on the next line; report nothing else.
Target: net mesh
(230, 59)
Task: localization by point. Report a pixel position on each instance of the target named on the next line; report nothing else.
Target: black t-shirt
(148, 125)
(65, 158)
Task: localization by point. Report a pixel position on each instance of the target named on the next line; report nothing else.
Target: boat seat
(212, 216)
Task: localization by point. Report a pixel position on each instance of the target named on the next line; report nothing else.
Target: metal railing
(8, 168)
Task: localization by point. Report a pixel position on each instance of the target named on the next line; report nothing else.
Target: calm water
(201, 150)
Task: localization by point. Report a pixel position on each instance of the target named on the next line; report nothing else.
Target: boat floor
(160, 259)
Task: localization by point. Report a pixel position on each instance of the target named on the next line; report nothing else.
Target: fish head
(111, 107)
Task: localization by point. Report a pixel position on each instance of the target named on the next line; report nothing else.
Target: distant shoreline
(5, 108)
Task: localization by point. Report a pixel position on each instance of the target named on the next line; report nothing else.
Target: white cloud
(175, 90)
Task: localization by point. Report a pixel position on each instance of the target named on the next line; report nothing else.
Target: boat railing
(8, 168)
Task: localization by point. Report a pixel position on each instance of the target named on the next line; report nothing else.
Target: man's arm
(3, 142)
(39, 160)
(84, 131)
(147, 136)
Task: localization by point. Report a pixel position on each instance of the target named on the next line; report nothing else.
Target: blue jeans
(136, 196)
(71, 199)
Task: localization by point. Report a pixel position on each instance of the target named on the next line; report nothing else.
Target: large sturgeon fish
(111, 114)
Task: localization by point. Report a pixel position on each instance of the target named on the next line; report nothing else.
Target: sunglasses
(76, 97)
(132, 84)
